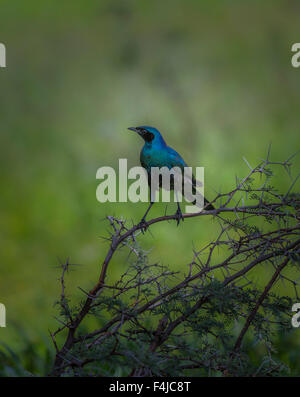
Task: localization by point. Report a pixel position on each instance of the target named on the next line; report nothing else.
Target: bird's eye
(148, 136)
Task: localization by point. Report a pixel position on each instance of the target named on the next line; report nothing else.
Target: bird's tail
(208, 207)
(196, 197)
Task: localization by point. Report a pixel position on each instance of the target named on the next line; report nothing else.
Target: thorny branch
(267, 232)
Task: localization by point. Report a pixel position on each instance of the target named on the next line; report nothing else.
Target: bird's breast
(153, 158)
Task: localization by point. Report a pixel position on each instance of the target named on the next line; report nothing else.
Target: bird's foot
(179, 216)
(143, 225)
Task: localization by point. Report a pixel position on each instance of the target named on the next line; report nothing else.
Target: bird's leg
(178, 214)
(143, 223)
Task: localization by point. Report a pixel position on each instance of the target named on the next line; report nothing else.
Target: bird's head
(149, 134)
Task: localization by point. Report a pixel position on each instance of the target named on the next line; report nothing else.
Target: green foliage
(33, 359)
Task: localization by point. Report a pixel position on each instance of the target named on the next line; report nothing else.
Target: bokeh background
(214, 77)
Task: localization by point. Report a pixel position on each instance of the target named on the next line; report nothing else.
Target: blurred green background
(214, 76)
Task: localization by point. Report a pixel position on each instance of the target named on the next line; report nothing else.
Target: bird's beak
(132, 129)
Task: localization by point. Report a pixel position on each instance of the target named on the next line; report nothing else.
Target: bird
(156, 153)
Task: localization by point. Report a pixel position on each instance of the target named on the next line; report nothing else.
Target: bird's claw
(179, 216)
(143, 225)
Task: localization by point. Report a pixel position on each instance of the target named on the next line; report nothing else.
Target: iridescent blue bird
(156, 153)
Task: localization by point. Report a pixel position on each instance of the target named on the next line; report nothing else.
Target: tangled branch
(218, 291)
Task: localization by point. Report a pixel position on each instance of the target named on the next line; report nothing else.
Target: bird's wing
(177, 161)
(190, 183)
(175, 158)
